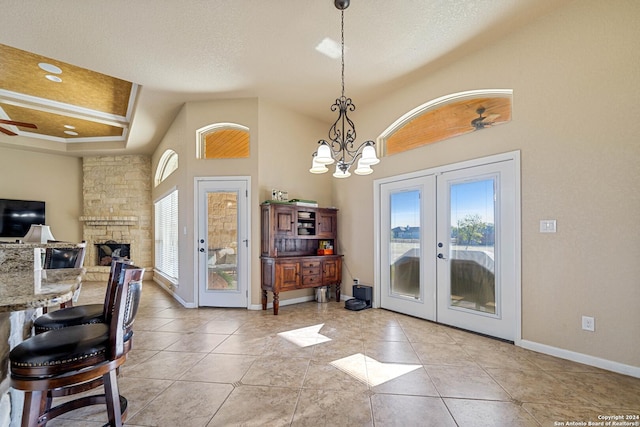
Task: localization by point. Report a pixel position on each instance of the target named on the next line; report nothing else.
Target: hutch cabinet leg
(338, 292)
(276, 303)
(264, 299)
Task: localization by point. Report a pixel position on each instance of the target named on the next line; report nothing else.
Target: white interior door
(449, 246)
(223, 243)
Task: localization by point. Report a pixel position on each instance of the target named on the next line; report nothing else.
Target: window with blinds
(166, 236)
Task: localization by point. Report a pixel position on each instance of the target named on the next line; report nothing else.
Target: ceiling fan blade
(7, 131)
(19, 124)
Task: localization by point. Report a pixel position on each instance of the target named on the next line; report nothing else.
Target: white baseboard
(174, 295)
(586, 359)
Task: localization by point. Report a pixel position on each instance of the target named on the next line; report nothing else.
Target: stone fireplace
(117, 210)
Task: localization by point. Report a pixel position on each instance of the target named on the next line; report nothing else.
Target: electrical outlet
(588, 323)
(356, 281)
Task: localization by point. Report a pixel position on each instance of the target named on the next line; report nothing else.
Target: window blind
(166, 235)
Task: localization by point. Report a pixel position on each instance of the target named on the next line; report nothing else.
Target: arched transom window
(167, 164)
(446, 117)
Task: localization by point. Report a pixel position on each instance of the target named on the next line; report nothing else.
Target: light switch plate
(547, 225)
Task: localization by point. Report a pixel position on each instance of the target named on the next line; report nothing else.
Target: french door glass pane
(404, 249)
(222, 240)
(472, 249)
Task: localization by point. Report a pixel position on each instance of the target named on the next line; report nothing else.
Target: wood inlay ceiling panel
(53, 125)
(97, 106)
(448, 121)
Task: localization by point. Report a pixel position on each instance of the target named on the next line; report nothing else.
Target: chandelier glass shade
(341, 148)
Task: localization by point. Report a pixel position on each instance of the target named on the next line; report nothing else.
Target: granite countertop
(21, 290)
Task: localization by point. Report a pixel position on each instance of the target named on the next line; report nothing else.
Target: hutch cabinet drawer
(311, 264)
(311, 280)
(310, 271)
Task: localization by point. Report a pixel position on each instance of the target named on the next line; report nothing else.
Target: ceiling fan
(483, 121)
(18, 124)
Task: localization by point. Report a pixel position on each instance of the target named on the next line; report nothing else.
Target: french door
(449, 247)
(223, 245)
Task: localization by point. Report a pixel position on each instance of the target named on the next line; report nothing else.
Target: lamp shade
(324, 154)
(369, 156)
(38, 234)
(318, 167)
(363, 168)
(339, 174)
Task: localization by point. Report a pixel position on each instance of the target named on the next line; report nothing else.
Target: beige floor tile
(197, 343)
(165, 365)
(277, 371)
(484, 413)
(391, 352)
(442, 354)
(553, 415)
(255, 406)
(229, 367)
(604, 389)
(337, 349)
(244, 344)
(218, 326)
(537, 387)
(152, 340)
(323, 376)
(410, 411)
(374, 332)
(198, 402)
(416, 383)
(219, 368)
(466, 382)
(332, 408)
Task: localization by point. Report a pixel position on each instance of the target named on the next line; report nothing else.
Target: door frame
(196, 257)
(377, 220)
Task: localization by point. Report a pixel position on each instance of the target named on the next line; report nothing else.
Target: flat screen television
(16, 216)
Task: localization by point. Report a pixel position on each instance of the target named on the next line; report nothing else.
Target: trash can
(322, 294)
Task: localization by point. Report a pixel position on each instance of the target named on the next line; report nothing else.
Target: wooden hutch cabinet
(291, 237)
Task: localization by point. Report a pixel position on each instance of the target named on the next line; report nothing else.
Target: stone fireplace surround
(117, 207)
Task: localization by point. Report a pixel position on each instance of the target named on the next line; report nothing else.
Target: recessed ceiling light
(69, 127)
(70, 132)
(53, 78)
(50, 68)
(330, 48)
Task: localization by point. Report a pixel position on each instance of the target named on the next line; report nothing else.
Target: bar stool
(66, 361)
(83, 314)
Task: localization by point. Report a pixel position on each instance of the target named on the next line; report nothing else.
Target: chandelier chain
(342, 44)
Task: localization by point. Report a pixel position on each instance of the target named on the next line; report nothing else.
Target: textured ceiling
(172, 52)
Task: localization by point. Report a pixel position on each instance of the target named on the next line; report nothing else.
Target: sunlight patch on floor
(305, 337)
(370, 371)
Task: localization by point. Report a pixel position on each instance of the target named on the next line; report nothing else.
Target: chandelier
(342, 135)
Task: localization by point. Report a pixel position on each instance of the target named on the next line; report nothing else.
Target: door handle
(441, 256)
(201, 249)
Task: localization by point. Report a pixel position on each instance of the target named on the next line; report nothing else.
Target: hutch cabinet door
(287, 275)
(331, 270)
(326, 221)
(284, 221)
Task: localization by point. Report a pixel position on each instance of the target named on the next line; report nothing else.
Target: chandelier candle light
(342, 134)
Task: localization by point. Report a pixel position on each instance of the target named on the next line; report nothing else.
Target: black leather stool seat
(61, 350)
(70, 316)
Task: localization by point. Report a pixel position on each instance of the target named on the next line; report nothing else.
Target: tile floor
(232, 367)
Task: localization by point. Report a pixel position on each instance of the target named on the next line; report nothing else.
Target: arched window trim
(435, 103)
(166, 166)
(201, 135)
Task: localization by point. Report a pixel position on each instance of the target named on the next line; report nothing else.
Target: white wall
(575, 119)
